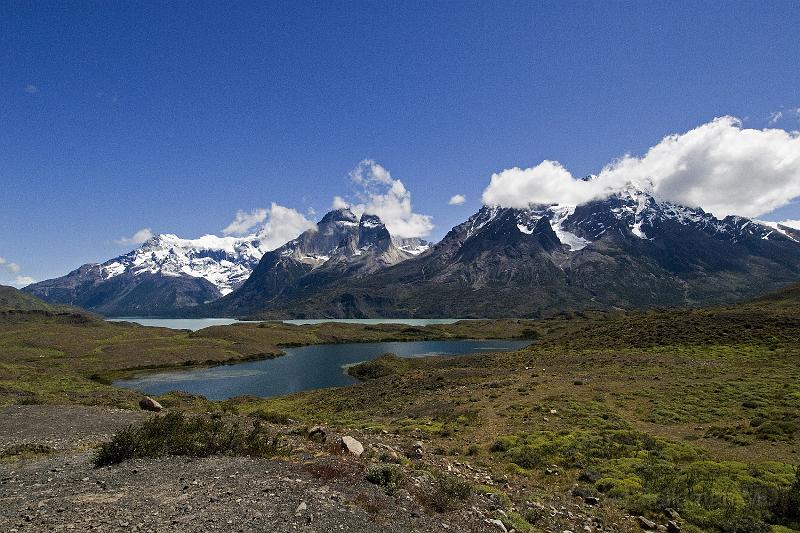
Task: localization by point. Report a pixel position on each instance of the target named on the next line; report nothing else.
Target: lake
(302, 368)
(199, 323)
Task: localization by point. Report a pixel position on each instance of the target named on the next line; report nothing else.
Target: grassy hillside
(697, 411)
(13, 299)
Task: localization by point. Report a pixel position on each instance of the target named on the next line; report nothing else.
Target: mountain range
(168, 275)
(629, 250)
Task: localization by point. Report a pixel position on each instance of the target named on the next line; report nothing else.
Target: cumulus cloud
(719, 166)
(457, 199)
(339, 203)
(282, 225)
(22, 281)
(790, 223)
(380, 194)
(14, 269)
(137, 238)
(244, 221)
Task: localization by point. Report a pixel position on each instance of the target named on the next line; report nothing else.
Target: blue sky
(120, 116)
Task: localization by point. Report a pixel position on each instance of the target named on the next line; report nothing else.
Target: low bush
(388, 476)
(25, 449)
(176, 434)
(447, 493)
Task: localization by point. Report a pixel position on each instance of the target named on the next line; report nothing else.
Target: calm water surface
(199, 323)
(303, 368)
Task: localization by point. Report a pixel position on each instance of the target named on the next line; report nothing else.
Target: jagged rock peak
(339, 215)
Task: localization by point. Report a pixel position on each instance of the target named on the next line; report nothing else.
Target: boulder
(149, 404)
(591, 500)
(673, 527)
(645, 523)
(352, 446)
(317, 434)
(498, 524)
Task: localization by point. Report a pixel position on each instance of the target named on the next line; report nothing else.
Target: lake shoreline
(196, 324)
(299, 368)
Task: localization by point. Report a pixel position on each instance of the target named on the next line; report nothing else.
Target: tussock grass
(177, 434)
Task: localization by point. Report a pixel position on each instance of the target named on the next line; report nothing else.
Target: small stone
(352, 446)
(149, 404)
(300, 509)
(645, 523)
(499, 524)
(673, 527)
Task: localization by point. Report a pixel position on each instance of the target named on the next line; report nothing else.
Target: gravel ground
(62, 427)
(218, 493)
(63, 491)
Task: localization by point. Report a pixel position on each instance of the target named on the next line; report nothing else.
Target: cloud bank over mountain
(719, 166)
(379, 194)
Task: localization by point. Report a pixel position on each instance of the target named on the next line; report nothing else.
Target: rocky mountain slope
(165, 274)
(630, 250)
(343, 247)
(169, 275)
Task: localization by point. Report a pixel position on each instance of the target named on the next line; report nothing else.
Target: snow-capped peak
(637, 210)
(224, 261)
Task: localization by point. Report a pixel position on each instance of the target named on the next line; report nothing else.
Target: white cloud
(137, 238)
(380, 194)
(457, 199)
(14, 269)
(790, 223)
(283, 224)
(31, 89)
(22, 281)
(339, 203)
(719, 166)
(792, 112)
(244, 221)
(11, 267)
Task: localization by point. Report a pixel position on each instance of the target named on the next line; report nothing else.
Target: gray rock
(317, 434)
(498, 523)
(352, 446)
(301, 509)
(645, 523)
(149, 404)
(591, 500)
(673, 527)
(672, 513)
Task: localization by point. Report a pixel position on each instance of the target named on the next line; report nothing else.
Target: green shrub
(388, 476)
(26, 449)
(176, 434)
(447, 493)
(271, 416)
(786, 507)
